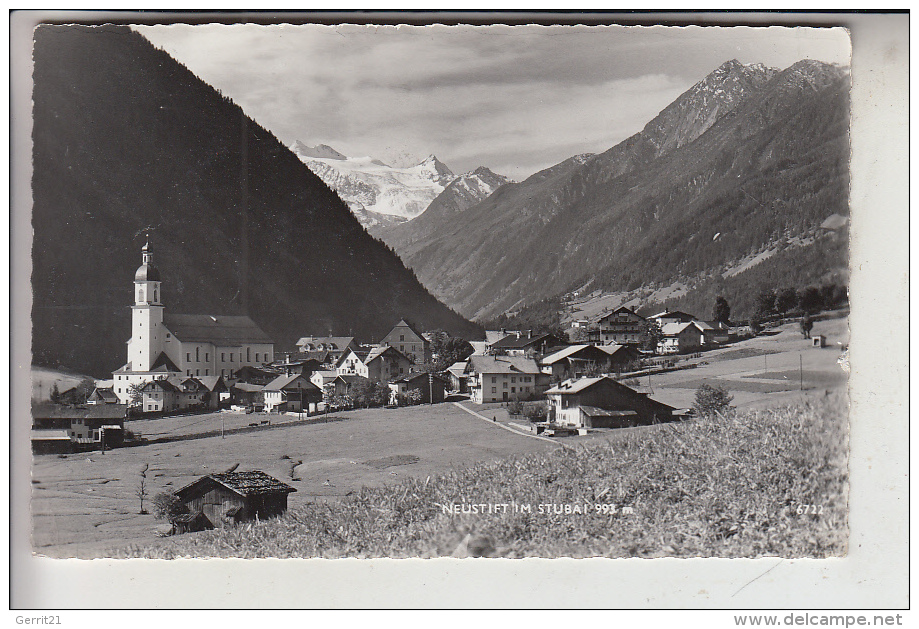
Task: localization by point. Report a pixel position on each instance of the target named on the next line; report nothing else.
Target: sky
(516, 99)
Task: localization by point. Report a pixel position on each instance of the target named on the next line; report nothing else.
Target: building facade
(164, 344)
(409, 342)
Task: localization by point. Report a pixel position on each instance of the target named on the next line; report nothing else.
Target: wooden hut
(232, 497)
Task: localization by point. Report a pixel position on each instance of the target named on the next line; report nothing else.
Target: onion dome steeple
(147, 272)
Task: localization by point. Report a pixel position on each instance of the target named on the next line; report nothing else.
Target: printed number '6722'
(810, 509)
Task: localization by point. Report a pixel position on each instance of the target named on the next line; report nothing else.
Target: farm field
(84, 505)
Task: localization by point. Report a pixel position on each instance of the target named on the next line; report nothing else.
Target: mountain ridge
(125, 138)
(633, 214)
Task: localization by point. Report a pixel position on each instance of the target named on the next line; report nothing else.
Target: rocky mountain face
(379, 195)
(464, 192)
(745, 155)
(126, 139)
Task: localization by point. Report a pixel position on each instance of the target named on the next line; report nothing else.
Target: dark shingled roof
(163, 361)
(245, 483)
(91, 411)
(221, 330)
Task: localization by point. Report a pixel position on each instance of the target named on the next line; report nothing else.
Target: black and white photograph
(473, 291)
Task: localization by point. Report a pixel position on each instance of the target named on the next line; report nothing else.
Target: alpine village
(634, 353)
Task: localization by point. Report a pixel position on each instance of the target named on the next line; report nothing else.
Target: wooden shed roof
(251, 483)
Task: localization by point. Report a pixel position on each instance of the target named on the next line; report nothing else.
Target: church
(164, 345)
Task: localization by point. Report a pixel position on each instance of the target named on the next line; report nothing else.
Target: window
(256, 356)
(513, 379)
(402, 348)
(231, 356)
(207, 357)
(207, 372)
(197, 354)
(494, 389)
(188, 358)
(513, 389)
(188, 372)
(197, 372)
(402, 337)
(223, 357)
(505, 385)
(247, 355)
(494, 379)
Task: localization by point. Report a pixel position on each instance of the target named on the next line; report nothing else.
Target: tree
(515, 407)
(721, 313)
(809, 300)
(55, 394)
(807, 324)
(447, 350)
(136, 394)
(765, 303)
(535, 411)
(786, 300)
(142, 488)
(650, 335)
(167, 506)
(712, 400)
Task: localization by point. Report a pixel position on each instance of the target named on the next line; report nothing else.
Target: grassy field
(85, 505)
(733, 486)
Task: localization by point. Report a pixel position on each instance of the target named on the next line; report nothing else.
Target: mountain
(749, 153)
(126, 138)
(379, 195)
(464, 192)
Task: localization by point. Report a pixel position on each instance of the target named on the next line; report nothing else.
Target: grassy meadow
(749, 484)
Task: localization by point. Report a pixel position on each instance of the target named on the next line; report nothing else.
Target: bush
(535, 411)
(515, 407)
(167, 506)
(712, 400)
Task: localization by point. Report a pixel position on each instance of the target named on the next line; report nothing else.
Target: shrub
(711, 400)
(535, 411)
(515, 407)
(167, 506)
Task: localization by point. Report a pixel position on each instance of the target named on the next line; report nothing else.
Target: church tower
(147, 331)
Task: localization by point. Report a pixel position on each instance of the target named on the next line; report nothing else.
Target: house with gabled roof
(86, 426)
(291, 393)
(575, 361)
(671, 316)
(232, 497)
(332, 346)
(622, 326)
(102, 395)
(409, 341)
(601, 402)
(426, 384)
(677, 338)
(164, 344)
(528, 345)
(503, 378)
(385, 364)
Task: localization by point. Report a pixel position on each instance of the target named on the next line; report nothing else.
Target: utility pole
(801, 369)
(431, 386)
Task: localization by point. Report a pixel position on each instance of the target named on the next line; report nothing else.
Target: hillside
(126, 138)
(747, 155)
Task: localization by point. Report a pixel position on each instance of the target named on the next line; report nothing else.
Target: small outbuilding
(232, 497)
(818, 340)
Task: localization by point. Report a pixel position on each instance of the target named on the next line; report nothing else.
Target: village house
(671, 316)
(346, 384)
(622, 358)
(232, 497)
(575, 361)
(293, 393)
(426, 384)
(248, 395)
(679, 338)
(384, 364)
(528, 345)
(179, 393)
(621, 326)
(85, 427)
(164, 344)
(457, 376)
(602, 402)
(503, 378)
(335, 345)
(322, 378)
(102, 395)
(351, 362)
(715, 333)
(409, 342)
